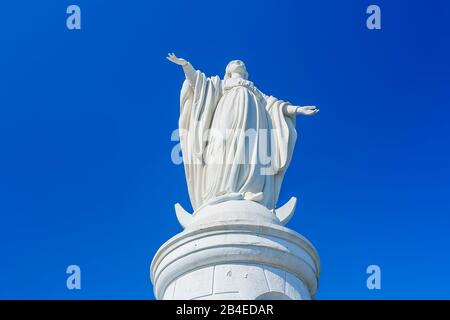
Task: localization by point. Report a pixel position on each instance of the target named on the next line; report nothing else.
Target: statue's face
(237, 67)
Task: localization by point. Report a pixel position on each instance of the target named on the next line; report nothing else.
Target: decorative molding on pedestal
(235, 250)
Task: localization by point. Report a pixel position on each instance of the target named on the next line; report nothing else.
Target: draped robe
(236, 142)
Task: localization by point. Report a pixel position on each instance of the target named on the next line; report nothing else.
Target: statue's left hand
(307, 110)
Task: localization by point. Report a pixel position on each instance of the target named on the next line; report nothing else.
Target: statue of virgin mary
(236, 141)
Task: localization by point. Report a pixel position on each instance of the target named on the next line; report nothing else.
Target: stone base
(235, 250)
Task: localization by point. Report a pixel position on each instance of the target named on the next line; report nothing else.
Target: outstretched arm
(290, 110)
(188, 69)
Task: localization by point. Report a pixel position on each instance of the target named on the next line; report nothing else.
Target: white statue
(236, 141)
(237, 144)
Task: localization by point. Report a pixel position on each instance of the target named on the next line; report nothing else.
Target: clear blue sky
(86, 116)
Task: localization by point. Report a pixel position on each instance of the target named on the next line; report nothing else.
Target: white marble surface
(244, 254)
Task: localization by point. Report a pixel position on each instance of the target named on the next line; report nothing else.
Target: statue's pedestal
(235, 250)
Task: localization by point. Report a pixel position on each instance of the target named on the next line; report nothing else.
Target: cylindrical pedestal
(235, 250)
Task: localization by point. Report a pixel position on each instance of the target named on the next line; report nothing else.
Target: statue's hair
(228, 71)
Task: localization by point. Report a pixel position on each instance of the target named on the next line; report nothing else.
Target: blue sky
(86, 116)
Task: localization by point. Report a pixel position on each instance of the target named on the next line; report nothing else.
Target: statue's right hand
(179, 61)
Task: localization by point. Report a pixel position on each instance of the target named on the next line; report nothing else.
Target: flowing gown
(236, 142)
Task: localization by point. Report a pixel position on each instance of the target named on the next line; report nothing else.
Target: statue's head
(236, 67)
